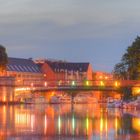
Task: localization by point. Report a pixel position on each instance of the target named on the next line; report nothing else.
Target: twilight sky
(95, 31)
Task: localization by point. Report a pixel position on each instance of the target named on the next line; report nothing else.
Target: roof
(22, 65)
(82, 67)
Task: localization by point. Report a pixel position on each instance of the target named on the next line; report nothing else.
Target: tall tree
(3, 58)
(129, 67)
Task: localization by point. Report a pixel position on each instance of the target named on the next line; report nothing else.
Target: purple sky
(95, 31)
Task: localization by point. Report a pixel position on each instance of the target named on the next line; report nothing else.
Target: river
(66, 122)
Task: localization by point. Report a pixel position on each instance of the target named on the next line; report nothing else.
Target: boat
(132, 104)
(65, 99)
(84, 99)
(35, 100)
(114, 103)
(55, 100)
(60, 99)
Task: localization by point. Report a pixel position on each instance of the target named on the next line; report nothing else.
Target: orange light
(116, 84)
(100, 76)
(4, 98)
(106, 77)
(136, 124)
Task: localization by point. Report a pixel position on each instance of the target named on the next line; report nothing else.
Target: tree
(129, 67)
(120, 71)
(3, 58)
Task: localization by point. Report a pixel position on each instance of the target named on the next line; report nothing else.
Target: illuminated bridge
(85, 85)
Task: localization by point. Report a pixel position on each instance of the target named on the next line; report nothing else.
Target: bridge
(84, 85)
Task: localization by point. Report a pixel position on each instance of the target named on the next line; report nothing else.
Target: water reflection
(87, 121)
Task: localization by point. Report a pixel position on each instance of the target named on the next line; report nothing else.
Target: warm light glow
(22, 119)
(116, 123)
(116, 84)
(87, 83)
(101, 77)
(45, 84)
(18, 80)
(45, 124)
(73, 83)
(136, 90)
(59, 124)
(87, 124)
(73, 124)
(23, 89)
(136, 124)
(32, 121)
(101, 125)
(102, 83)
(4, 98)
(32, 84)
(106, 77)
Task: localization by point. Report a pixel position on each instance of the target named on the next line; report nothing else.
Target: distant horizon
(96, 31)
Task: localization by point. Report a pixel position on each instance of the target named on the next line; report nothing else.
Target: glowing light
(87, 124)
(23, 89)
(59, 124)
(106, 77)
(116, 123)
(45, 124)
(4, 98)
(18, 80)
(23, 119)
(102, 83)
(101, 77)
(32, 121)
(45, 84)
(32, 84)
(87, 83)
(136, 124)
(136, 90)
(101, 125)
(116, 84)
(73, 124)
(73, 83)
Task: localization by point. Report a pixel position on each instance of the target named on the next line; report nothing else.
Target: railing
(65, 83)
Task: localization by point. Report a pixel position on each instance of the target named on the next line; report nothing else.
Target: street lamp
(73, 83)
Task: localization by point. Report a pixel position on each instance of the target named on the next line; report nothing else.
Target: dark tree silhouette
(129, 67)
(3, 58)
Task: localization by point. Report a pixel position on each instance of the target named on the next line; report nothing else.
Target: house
(62, 70)
(25, 71)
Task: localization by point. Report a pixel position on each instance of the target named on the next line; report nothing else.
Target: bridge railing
(99, 83)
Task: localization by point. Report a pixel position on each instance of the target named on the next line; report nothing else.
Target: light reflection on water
(80, 122)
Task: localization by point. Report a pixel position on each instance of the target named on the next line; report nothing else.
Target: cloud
(56, 27)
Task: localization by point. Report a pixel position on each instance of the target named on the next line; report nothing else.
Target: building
(61, 70)
(98, 75)
(25, 71)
